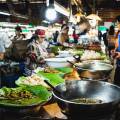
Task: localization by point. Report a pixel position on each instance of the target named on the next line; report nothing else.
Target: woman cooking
(63, 37)
(36, 52)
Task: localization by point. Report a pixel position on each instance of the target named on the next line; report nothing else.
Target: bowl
(59, 62)
(64, 54)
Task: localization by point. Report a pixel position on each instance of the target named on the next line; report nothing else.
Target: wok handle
(77, 67)
(77, 57)
(51, 86)
(71, 62)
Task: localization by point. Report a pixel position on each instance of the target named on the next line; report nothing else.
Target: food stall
(70, 67)
(72, 84)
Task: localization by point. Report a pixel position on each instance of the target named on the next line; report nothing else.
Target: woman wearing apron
(36, 52)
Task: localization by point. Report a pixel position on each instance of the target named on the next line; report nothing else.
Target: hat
(40, 32)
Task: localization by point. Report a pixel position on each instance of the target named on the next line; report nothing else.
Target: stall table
(50, 112)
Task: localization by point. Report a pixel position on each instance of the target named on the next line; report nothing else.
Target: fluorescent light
(20, 16)
(61, 9)
(46, 21)
(4, 13)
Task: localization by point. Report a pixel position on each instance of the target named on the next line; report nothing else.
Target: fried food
(86, 101)
(72, 76)
(16, 95)
(50, 70)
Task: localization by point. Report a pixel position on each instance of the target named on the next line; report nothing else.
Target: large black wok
(108, 93)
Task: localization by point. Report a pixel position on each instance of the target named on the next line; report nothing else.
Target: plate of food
(26, 96)
(51, 70)
(92, 55)
(32, 81)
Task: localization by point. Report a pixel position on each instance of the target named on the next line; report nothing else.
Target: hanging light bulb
(51, 13)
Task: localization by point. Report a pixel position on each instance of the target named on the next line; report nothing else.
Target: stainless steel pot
(93, 69)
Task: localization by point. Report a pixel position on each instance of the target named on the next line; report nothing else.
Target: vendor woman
(63, 37)
(36, 52)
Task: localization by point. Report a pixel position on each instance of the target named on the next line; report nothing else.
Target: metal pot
(93, 69)
(105, 79)
(108, 93)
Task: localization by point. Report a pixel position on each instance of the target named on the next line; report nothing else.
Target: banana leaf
(40, 95)
(65, 69)
(20, 82)
(53, 78)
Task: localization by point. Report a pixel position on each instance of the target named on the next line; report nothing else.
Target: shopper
(82, 29)
(83, 26)
(111, 39)
(111, 30)
(75, 37)
(116, 55)
(55, 36)
(105, 38)
(99, 35)
(18, 34)
(5, 42)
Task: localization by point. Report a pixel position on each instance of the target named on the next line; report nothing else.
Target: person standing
(63, 37)
(55, 36)
(75, 37)
(105, 38)
(5, 42)
(111, 39)
(18, 34)
(116, 55)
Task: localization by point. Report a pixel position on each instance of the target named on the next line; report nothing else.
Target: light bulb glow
(51, 14)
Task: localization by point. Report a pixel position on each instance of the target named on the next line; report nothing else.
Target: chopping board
(47, 112)
(54, 111)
